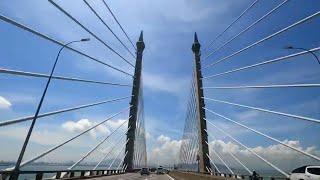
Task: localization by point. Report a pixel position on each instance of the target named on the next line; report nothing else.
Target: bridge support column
(203, 160)
(135, 104)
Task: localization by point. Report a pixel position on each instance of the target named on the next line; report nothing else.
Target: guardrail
(235, 176)
(65, 174)
(249, 176)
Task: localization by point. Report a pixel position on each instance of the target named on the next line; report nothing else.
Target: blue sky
(168, 34)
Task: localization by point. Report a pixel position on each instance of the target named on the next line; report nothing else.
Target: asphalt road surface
(135, 176)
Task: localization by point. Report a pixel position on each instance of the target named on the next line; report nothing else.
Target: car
(153, 169)
(160, 170)
(144, 171)
(312, 172)
(306, 173)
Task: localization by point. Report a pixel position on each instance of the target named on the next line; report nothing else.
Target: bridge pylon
(204, 162)
(133, 116)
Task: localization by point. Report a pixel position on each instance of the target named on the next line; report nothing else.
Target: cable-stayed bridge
(198, 156)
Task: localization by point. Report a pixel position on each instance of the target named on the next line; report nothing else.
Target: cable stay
(93, 149)
(213, 163)
(245, 167)
(90, 32)
(122, 160)
(266, 38)
(267, 162)
(233, 22)
(221, 160)
(114, 17)
(209, 170)
(10, 21)
(269, 137)
(118, 154)
(262, 63)
(19, 120)
(266, 110)
(107, 154)
(105, 24)
(249, 27)
(30, 74)
(265, 86)
(65, 142)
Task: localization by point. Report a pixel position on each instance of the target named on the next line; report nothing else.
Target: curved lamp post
(291, 47)
(15, 173)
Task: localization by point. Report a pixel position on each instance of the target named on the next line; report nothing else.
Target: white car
(306, 173)
(160, 170)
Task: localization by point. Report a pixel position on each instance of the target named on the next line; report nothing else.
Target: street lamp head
(86, 39)
(305, 50)
(288, 47)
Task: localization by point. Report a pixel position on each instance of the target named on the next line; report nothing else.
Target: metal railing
(58, 174)
(235, 176)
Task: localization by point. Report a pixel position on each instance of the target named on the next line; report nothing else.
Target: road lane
(135, 176)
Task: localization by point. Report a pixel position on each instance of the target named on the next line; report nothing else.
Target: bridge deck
(134, 176)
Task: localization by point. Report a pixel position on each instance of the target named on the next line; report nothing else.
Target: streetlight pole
(198, 160)
(15, 173)
(291, 47)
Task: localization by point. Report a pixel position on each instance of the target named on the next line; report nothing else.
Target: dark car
(153, 169)
(145, 171)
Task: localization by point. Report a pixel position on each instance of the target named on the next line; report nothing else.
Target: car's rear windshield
(315, 171)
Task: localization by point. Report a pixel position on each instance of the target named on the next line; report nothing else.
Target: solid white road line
(170, 177)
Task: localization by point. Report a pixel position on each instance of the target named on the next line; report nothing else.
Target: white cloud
(21, 98)
(148, 136)
(277, 154)
(248, 115)
(82, 125)
(165, 83)
(165, 152)
(41, 140)
(77, 126)
(113, 124)
(163, 138)
(45, 136)
(154, 128)
(4, 103)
